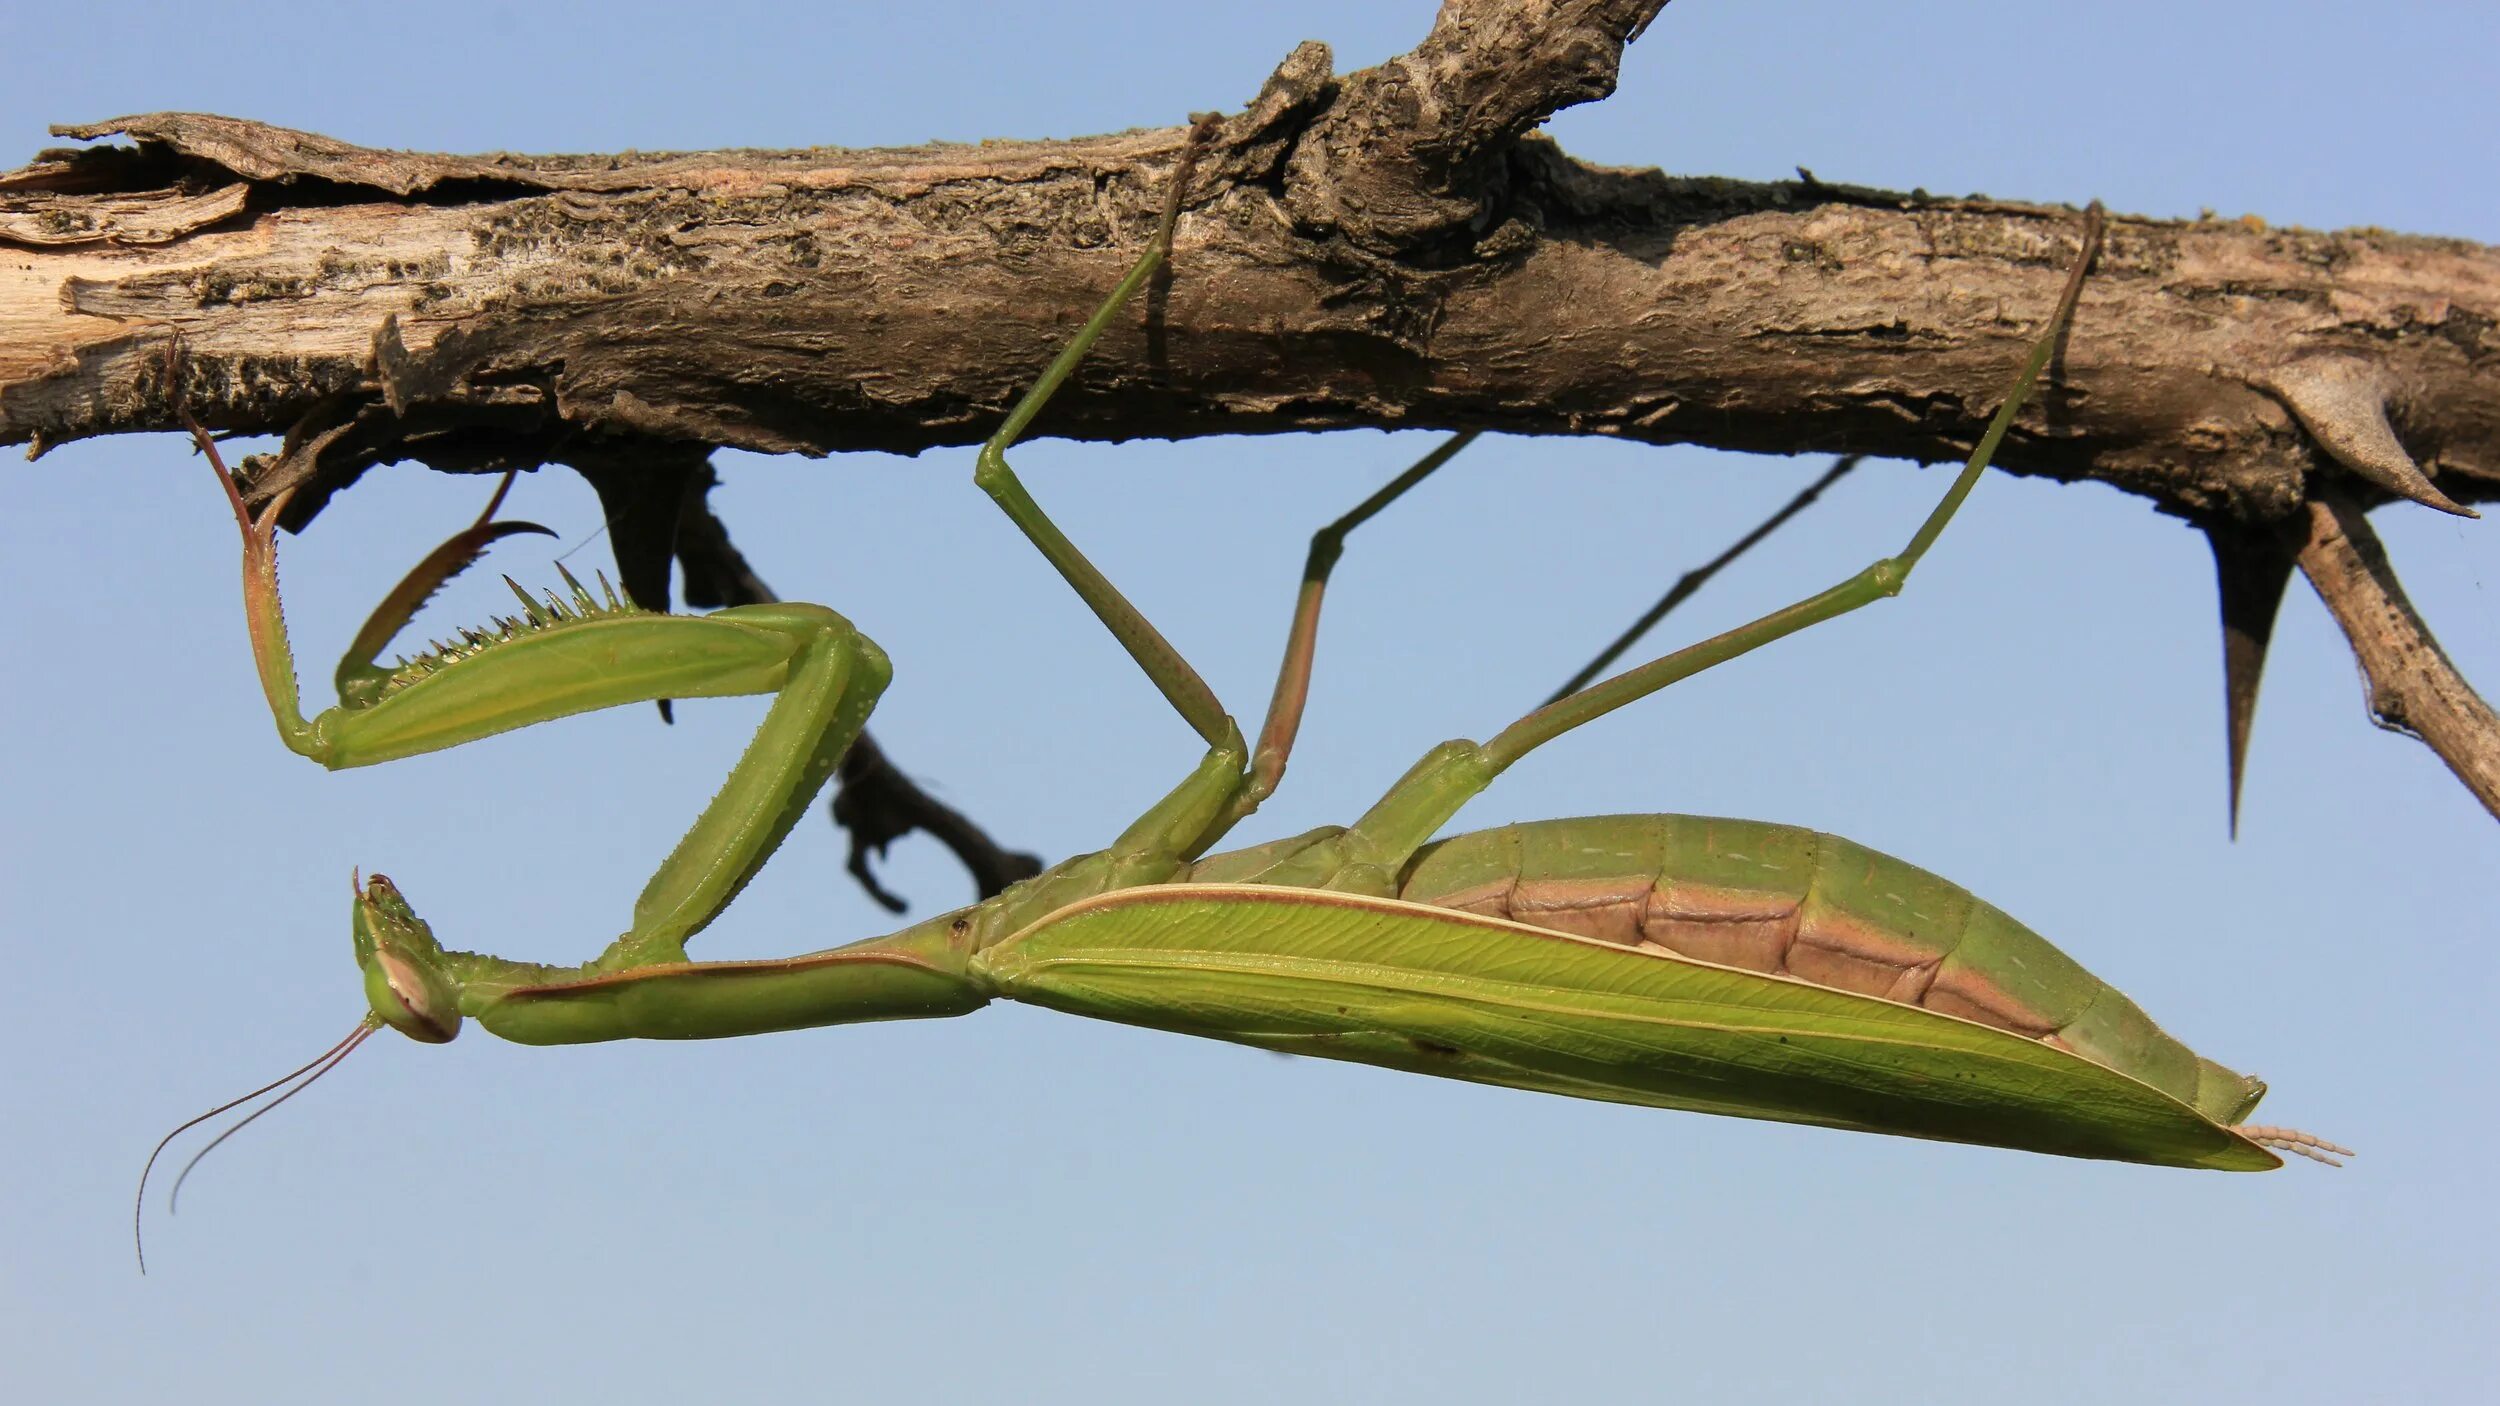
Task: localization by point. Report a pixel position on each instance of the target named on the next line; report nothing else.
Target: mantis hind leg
(1368, 856)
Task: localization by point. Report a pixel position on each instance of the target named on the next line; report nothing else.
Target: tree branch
(476, 312)
(2413, 688)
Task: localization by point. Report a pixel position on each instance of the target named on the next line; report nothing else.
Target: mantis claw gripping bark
(1683, 962)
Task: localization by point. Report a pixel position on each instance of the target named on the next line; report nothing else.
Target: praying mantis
(1682, 962)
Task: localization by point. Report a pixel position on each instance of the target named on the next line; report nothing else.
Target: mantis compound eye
(404, 981)
(405, 1000)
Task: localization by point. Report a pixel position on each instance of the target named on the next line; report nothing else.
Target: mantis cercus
(1674, 961)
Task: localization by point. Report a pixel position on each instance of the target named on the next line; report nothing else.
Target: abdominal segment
(1812, 907)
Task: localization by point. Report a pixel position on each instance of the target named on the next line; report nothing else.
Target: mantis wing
(1432, 991)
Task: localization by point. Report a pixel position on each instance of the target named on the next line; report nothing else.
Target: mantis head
(406, 981)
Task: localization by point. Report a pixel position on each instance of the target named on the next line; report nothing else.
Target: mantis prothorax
(1675, 961)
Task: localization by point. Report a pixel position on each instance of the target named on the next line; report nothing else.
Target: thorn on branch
(2342, 402)
(2252, 568)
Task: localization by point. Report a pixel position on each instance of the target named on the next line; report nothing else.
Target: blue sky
(1023, 1205)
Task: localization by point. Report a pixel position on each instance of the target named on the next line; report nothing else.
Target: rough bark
(475, 312)
(1390, 248)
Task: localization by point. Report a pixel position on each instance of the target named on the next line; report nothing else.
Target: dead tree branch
(2413, 688)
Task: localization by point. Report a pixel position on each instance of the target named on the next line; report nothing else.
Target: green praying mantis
(1720, 966)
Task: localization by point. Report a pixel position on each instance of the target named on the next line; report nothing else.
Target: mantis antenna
(310, 1070)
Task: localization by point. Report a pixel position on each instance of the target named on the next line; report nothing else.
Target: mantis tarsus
(1682, 962)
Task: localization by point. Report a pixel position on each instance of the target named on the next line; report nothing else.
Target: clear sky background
(1023, 1206)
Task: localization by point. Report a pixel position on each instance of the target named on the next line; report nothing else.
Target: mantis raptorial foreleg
(562, 656)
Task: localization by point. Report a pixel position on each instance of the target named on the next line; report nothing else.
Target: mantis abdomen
(1792, 902)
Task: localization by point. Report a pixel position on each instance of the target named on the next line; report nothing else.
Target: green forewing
(1780, 900)
(1432, 991)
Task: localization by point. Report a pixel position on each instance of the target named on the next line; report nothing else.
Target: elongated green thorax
(910, 976)
(423, 991)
